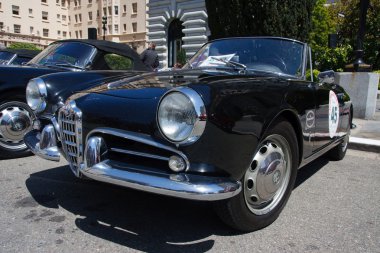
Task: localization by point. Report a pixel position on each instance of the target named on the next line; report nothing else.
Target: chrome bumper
(187, 186)
(43, 144)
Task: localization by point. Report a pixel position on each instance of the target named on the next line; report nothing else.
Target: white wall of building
(191, 12)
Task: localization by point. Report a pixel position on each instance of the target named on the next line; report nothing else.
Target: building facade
(41, 22)
(125, 20)
(174, 25)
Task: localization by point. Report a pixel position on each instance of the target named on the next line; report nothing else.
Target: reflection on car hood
(151, 85)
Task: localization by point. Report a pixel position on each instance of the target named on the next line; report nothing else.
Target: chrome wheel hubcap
(15, 121)
(265, 182)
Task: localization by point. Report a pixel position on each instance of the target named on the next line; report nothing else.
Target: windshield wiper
(231, 63)
(68, 65)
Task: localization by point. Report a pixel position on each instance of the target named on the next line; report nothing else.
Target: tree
(287, 18)
(345, 15)
(322, 25)
(23, 45)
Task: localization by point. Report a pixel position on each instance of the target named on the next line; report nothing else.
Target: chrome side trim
(135, 153)
(321, 152)
(146, 139)
(43, 144)
(194, 187)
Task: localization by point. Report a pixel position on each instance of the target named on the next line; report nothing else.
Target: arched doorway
(175, 42)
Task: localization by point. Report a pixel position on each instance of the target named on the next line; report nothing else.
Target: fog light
(176, 163)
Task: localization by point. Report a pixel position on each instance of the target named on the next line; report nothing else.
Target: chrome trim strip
(43, 145)
(186, 186)
(135, 153)
(146, 139)
(321, 151)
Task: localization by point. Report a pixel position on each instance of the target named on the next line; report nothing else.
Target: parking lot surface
(43, 208)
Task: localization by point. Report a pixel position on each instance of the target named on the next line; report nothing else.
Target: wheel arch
(18, 92)
(290, 116)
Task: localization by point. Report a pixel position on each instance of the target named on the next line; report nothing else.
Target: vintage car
(232, 127)
(16, 56)
(63, 56)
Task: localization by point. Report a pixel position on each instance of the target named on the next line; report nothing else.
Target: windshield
(263, 54)
(5, 57)
(66, 54)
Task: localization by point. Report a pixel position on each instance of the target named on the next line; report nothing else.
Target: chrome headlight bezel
(36, 94)
(199, 116)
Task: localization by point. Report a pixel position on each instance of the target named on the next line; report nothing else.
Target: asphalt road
(43, 208)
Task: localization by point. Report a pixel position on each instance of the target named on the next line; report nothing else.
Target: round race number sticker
(333, 114)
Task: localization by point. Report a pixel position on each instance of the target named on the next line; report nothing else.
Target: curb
(364, 144)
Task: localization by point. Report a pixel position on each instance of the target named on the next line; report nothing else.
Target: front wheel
(267, 183)
(15, 120)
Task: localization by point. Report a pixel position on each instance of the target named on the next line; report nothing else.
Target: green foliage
(23, 45)
(321, 25)
(287, 18)
(326, 58)
(315, 74)
(348, 26)
(117, 62)
(181, 57)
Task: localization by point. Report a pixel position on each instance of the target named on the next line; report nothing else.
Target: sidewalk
(366, 135)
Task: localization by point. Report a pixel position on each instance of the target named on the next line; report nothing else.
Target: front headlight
(182, 116)
(36, 94)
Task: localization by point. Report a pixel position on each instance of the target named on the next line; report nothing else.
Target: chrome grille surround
(70, 124)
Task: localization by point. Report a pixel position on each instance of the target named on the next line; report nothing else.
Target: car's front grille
(70, 123)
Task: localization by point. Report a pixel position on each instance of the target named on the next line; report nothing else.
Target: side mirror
(326, 77)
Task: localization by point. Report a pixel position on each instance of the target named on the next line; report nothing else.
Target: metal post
(104, 22)
(359, 65)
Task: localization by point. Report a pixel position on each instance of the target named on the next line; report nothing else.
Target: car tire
(19, 114)
(339, 152)
(263, 196)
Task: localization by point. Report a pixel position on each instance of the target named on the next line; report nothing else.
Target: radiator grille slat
(69, 119)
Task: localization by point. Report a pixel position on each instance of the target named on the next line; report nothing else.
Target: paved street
(334, 208)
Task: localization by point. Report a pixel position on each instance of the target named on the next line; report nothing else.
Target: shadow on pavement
(135, 219)
(309, 170)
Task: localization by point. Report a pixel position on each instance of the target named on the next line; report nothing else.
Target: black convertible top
(22, 52)
(112, 47)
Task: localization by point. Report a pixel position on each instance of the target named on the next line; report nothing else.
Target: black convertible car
(63, 56)
(16, 56)
(232, 127)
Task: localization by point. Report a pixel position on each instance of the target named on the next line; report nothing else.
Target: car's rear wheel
(339, 151)
(16, 119)
(267, 183)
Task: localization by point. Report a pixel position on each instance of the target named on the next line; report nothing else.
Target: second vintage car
(16, 56)
(62, 56)
(232, 127)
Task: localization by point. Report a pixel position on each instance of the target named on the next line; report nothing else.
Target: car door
(327, 112)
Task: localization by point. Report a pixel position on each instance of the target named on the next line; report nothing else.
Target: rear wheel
(339, 152)
(16, 119)
(267, 183)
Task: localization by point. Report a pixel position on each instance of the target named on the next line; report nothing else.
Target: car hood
(20, 75)
(62, 85)
(154, 84)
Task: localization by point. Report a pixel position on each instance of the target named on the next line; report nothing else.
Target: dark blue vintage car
(63, 56)
(16, 56)
(232, 127)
